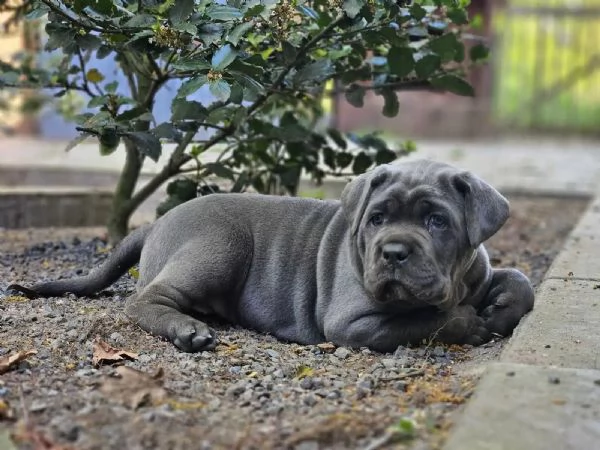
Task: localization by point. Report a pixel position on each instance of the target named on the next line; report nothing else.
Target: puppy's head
(415, 228)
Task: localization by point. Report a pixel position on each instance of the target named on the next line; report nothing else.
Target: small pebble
(597, 382)
(554, 380)
(307, 383)
(342, 352)
(236, 389)
(272, 353)
(439, 351)
(389, 363)
(310, 400)
(510, 374)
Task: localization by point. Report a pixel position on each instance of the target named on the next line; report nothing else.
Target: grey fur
(310, 271)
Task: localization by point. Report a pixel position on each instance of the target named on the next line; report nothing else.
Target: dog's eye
(437, 221)
(376, 219)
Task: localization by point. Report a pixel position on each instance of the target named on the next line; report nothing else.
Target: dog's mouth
(409, 295)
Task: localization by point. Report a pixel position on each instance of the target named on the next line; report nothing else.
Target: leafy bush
(268, 64)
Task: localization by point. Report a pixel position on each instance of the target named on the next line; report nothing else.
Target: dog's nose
(396, 252)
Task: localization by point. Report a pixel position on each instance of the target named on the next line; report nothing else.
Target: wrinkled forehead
(424, 180)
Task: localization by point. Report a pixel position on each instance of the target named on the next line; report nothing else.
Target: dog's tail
(125, 255)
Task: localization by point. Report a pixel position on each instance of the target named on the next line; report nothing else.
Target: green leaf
(223, 12)
(94, 76)
(343, 159)
(38, 10)
(103, 51)
(241, 183)
(289, 52)
(355, 95)
(223, 57)
(104, 7)
(417, 12)
(454, 84)
(76, 141)
(109, 141)
(353, 7)
(220, 89)
(401, 61)
(140, 21)
(130, 114)
(182, 109)
(191, 86)
(166, 130)
(478, 52)
(111, 87)
(193, 63)
(221, 170)
(315, 72)
(445, 46)
(237, 94)
(181, 10)
(427, 66)
(146, 143)
(239, 31)
(100, 100)
(385, 156)
(249, 83)
(391, 105)
(309, 12)
(361, 163)
(458, 16)
(337, 138)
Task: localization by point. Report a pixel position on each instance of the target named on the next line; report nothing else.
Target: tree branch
(86, 85)
(179, 158)
(413, 85)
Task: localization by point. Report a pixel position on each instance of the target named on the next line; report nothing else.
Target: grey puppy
(398, 260)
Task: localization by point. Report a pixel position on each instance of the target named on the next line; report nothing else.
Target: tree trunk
(122, 209)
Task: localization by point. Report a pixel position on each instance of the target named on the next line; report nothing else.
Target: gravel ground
(253, 391)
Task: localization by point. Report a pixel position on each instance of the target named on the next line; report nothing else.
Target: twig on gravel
(402, 376)
(24, 406)
(383, 440)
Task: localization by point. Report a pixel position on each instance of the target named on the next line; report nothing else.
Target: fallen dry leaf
(134, 388)
(105, 353)
(26, 433)
(10, 361)
(6, 412)
(326, 347)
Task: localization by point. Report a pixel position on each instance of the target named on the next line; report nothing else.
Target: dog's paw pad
(194, 337)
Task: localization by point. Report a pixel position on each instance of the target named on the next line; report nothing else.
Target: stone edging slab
(545, 391)
(44, 206)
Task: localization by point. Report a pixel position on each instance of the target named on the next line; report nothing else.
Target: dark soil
(253, 391)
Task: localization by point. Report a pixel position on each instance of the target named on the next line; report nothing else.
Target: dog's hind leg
(204, 276)
(157, 310)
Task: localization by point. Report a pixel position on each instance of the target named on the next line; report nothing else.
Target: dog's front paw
(509, 299)
(464, 326)
(191, 335)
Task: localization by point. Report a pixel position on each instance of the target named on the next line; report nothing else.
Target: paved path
(544, 393)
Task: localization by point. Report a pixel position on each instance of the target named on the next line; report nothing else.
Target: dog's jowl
(399, 259)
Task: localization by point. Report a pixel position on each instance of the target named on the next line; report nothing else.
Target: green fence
(547, 65)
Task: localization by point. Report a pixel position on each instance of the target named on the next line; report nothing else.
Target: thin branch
(179, 158)
(68, 86)
(58, 10)
(86, 85)
(413, 85)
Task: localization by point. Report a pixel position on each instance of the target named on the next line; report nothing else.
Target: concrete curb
(53, 207)
(545, 391)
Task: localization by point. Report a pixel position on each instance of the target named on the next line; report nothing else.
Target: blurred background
(543, 77)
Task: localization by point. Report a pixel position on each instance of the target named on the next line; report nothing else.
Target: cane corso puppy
(398, 260)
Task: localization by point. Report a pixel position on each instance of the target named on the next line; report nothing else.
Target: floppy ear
(486, 209)
(356, 194)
